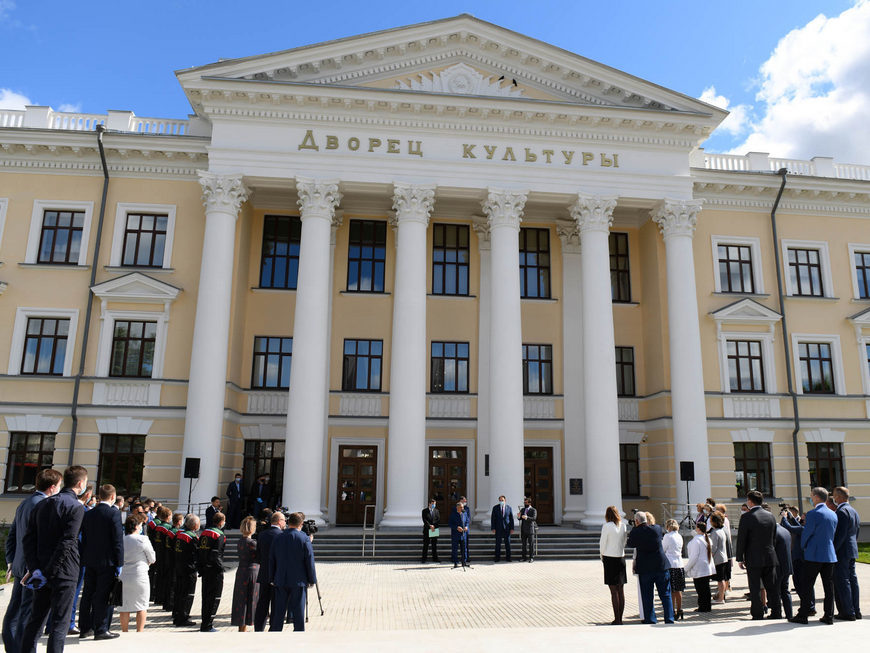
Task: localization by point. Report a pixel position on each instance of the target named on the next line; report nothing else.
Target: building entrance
(448, 469)
(357, 483)
(539, 481)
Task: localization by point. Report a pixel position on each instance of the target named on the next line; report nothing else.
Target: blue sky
(759, 58)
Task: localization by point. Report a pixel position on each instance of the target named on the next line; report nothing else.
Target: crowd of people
(76, 551)
(822, 542)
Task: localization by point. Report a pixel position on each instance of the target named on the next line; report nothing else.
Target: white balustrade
(117, 392)
(628, 408)
(750, 407)
(726, 161)
(852, 171)
(360, 405)
(539, 407)
(125, 121)
(11, 118)
(75, 121)
(449, 406)
(761, 162)
(794, 166)
(266, 402)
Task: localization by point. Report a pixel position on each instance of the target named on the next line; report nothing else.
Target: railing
(11, 118)
(266, 402)
(118, 392)
(369, 529)
(819, 166)
(39, 117)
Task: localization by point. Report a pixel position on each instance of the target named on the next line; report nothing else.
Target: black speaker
(687, 470)
(191, 468)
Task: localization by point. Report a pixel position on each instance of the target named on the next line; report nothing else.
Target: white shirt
(612, 542)
(672, 543)
(698, 566)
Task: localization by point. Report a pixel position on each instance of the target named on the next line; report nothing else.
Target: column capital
(569, 234)
(504, 208)
(413, 202)
(481, 228)
(593, 212)
(677, 217)
(224, 193)
(317, 198)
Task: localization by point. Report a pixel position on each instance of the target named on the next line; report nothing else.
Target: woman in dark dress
(245, 589)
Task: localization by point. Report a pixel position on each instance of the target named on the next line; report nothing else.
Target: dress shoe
(669, 622)
(799, 620)
(531, 559)
(455, 565)
(86, 634)
(186, 624)
(827, 620)
(774, 616)
(74, 631)
(858, 615)
(210, 630)
(812, 612)
(648, 622)
(616, 622)
(106, 635)
(845, 617)
(680, 615)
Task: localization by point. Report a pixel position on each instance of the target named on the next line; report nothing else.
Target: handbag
(117, 593)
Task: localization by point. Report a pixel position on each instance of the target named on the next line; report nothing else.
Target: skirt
(614, 571)
(678, 579)
(722, 571)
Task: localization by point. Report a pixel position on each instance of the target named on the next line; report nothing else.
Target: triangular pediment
(746, 311)
(862, 318)
(137, 288)
(462, 55)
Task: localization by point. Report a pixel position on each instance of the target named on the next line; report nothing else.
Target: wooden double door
(448, 476)
(357, 484)
(539, 483)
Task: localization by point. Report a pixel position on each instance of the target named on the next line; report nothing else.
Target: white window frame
(863, 341)
(824, 262)
(19, 333)
(767, 358)
(39, 208)
(4, 206)
(123, 209)
(107, 331)
(836, 360)
(755, 249)
(853, 249)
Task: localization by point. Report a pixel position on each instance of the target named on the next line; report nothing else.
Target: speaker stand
(190, 492)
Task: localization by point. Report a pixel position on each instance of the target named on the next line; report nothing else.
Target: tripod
(319, 601)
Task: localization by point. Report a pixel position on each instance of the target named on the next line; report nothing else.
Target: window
(625, 371)
(61, 238)
(45, 346)
(366, 256)
(122, 459)
(535, 263)
(133, 348)
(361, 370)
(752, 464)
(279, 263)
(805, 272)
(272, 358)
(735, 268)
(537, 369)
(862, 274)
(816, 364)
(629, 468)
(449, 367)
(745, 368)
(264, 457)
(620, 281)
(29, 454)
(449, 259)
(144, 240)
(826, 464)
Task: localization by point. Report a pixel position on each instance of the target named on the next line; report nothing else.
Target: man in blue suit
(817, 541)
(236, 499)
(291, 566)
(502, 525)
(264, 545)
(48, 483)
(846, 546)
(458, 522)
(652, 568)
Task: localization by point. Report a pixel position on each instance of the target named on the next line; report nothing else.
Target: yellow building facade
(353, 211)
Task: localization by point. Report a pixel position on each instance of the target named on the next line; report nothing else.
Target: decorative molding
(222, 193)
(750, 407)
(126, 392)
(677, 217)
(360, 404)
(752, 434)
(825, 435)
(504, 208)
(268, 402)
(413, 202)
(745, 311)
(539, 407)
(19, 332)
(136, 287)
(593, 212)
(480, 225)
(459, 79)
(264, 431)
(317, 198)
(631, 437)
(449, 406)
(33, 423)
(124, 425)
(122, 211)
(37, 216)
(569, 234)
(628, 408)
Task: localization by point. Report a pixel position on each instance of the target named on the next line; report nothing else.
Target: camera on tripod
(309, 527)
(630, 520)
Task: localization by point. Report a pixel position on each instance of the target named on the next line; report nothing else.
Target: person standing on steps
(528, 516)
(431, 522)
(458, 533)
(502, 525)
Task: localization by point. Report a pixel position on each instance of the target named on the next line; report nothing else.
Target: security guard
(186, 550)
(161, 530)
(211, 568)
(169, 560)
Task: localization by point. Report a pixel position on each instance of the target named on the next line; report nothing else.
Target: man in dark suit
(528, 523)
(792, 522)
(264, 545)
(502, 525)
(467, 511)
(211, 511)
(459, 522)
(846, 546)
(102, 557)
(291, 566)
(756, 553)
(235, 501)
(51, 552)
(652, 567)
(817, 540)
(260, 496)
(431, 522)
(783, 571)
(48, 482)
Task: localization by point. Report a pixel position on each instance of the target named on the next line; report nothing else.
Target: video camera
(630, 520)
(309, 527)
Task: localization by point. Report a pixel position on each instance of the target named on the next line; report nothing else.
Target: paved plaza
(546, 605)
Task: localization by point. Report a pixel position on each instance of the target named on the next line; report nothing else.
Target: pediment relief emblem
(461, 79)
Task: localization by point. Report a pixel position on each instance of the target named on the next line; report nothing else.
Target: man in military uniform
(186, 551)
(211, 568)
(161, 530)
(169, 560)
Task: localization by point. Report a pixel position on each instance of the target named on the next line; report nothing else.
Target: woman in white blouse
(700, 565)
(612, 548)
(672, 543)
(135, 588)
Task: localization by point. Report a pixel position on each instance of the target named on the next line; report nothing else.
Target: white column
(204, 418)
(306, 415)
(677, 220)
(504, 211)
(482, 502)
(407, 422)
(601, 486)
(572, 375)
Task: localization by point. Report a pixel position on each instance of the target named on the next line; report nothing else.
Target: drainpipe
(786, 345)
(87, 324)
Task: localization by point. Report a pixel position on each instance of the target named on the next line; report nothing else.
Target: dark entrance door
(357, 483)
(264, 457)
(539, 481)
(448, 468)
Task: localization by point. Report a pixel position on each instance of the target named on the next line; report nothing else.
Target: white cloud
(70, 108)
(814, 91)
(6, 8)
(737, 121)
(9, 99)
